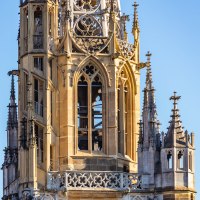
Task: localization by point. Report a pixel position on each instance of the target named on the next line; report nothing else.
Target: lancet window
(190, 161)
(38, 29)
(169, 160)
(25, 29)
(90, 110)
(124, 115)
(180, 160)
(40, 143)
(38, 96)
(25, 90)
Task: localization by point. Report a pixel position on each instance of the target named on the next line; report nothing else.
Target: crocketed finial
(135, 19)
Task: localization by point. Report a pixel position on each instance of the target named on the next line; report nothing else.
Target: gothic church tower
(76, 134)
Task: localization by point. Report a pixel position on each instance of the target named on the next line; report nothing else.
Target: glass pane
(97, 132)
(82, 114)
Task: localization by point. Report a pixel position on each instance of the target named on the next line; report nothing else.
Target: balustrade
(92, 180)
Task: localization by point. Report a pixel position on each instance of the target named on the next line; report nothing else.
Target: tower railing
(91, 180)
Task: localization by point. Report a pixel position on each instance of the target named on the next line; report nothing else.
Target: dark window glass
(82, 114)
(38, 63)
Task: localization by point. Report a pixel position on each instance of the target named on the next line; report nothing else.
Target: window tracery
(88, 25)
(90, 109)
(89, 5)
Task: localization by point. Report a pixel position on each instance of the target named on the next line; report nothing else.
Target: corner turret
(177, 157)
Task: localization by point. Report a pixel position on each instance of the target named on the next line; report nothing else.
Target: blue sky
(169, 29)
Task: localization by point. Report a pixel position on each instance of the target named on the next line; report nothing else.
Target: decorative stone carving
(127, 50)
(93, 180)
(87, 25)
(89, 5)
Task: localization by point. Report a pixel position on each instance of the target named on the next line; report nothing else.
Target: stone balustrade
(91, 180)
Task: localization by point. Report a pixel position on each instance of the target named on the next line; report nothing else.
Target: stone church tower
(77, 135)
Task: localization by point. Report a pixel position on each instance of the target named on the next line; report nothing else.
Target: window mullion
(90, 116)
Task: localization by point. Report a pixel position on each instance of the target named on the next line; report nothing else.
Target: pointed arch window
(124, 115)
(169, 160)
(25, 21)
(90, 110)
(190, 161)
(38, 29)
(180, 160)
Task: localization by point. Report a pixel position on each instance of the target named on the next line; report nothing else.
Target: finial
(135, 5)
(12, 92)
(149, 74)
(175, 98)
(148, 55)
(135, 20)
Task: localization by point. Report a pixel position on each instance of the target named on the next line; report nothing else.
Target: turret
(177, 155)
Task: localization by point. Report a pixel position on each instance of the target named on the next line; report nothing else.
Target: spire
(151, 136)
(149, 101)
(12, 107)
(135, 19)
(12, 92)
(175, 130)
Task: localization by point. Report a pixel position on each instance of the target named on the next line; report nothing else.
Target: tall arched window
(124, 115)
(169, 160)
(180, 160)
(90, 110)
(190, 161)
(38, 29)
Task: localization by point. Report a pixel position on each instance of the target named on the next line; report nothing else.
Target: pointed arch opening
(90, 109)
(125, 99)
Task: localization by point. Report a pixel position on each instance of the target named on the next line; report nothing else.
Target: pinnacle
(12, 91)
(135, 20)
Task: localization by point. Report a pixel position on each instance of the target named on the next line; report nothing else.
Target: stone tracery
(89, 5)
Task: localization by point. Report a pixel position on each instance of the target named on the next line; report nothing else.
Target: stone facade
(77, 135)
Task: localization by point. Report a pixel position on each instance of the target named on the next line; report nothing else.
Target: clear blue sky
(169, 29)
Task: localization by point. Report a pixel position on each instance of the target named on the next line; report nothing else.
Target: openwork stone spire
(12, 107)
